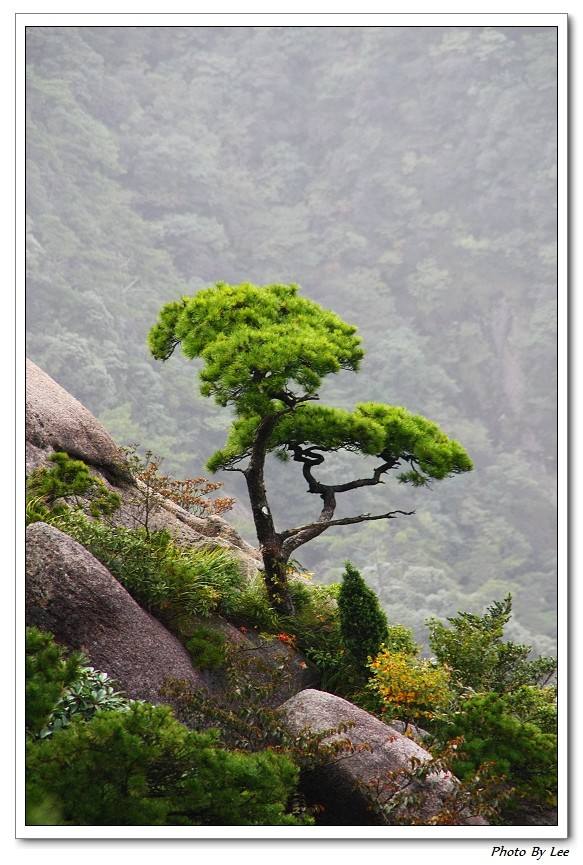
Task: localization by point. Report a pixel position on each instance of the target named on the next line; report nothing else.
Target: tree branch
(291, 401)
(294, 538)
(310, 458)
(366, 482)
(344, 521)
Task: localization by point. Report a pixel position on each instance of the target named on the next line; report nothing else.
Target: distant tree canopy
(266, 350)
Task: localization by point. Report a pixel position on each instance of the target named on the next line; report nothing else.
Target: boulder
(418, 734)
(277, 669)
(365, 773)
(71, 594)
(55, 420)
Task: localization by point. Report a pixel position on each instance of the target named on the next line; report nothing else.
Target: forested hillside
(403, 177)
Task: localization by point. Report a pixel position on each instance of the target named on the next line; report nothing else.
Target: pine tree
(266, 350)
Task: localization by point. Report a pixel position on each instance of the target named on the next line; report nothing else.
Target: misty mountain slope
(404, 177)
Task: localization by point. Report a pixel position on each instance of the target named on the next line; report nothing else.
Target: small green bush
(409, 687)
(91, 691)
(535, 705)
(516, 749)
(143, 768)
(248, 716)
(49, 672)
(251, 607)
(207, 648)
(67, 482)
(217, 572)
(316, 622)
(400, 639)
(474, 649)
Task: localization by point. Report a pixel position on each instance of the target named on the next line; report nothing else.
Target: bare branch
(344, 521)
(293, 538)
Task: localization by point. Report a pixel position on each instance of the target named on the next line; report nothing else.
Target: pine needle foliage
(254, 341)
(518, 749)
(142, 767)
(67, 482)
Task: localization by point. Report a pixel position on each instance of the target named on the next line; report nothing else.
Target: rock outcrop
(71, 594)
(277, 668)
(56, 421)
(194, 531)
(88, 608)
(352, 786)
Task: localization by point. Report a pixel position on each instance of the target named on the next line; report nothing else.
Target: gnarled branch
(344, 521)
(310, 458)
(291, 539)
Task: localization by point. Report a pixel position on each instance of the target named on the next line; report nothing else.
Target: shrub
(400, 639)
(519, 750)
(152, 488)
(248, 715)
(335, 671)
(207, 648)
(91, 691)
(537, 705)
(409, 687)
(479, 658)
(362, 622)
(399, 796)
(49, 672)
(142, 767)
(251, 607)
(243, 712)
(67, 482)
(316, 622)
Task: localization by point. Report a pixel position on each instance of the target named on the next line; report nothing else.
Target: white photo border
(135, 19)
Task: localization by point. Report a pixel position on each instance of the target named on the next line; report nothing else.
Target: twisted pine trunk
(270, 544)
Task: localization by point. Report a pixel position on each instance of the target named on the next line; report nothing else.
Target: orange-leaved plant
(409, 687)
